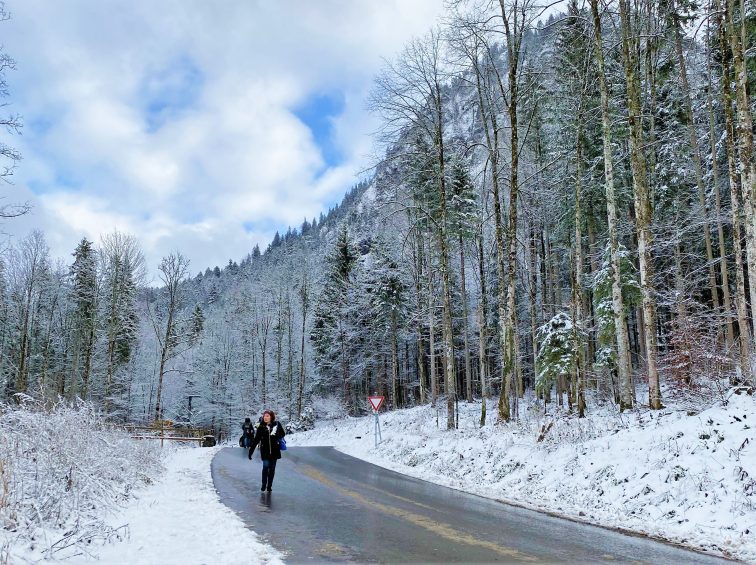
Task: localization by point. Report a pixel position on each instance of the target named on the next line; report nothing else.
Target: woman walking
(268, 434)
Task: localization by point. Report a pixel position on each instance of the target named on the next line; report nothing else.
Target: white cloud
(174, 120)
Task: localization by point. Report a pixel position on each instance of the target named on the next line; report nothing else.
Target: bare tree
(410, 94)
(173, 271)
(261, 330)
(28, 267)
(9, 156)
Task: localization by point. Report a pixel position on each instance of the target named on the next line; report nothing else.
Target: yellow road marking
(403, 499)
(443, 530)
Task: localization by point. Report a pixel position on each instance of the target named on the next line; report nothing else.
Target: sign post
(376, 402)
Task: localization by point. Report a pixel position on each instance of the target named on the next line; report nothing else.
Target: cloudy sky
(198, 126)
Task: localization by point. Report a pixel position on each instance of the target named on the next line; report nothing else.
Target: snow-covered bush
(304, 423)
(61, 470)
(327, 407)
(558, 352)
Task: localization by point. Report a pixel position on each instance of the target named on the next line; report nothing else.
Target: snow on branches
(61, 470)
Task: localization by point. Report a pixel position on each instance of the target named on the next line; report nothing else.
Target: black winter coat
(248, 428)
(267, 435)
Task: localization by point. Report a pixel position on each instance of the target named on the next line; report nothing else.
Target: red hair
(272, 415)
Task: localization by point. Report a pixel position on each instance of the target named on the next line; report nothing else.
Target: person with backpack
(248, 433)
(268, 436)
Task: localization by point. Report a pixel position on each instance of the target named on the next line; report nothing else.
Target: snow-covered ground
(180, 520)
(684, 477)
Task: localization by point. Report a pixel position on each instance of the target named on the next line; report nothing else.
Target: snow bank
(690, 479)
(180, 520)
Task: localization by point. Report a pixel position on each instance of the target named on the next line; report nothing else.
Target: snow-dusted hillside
(690, 479)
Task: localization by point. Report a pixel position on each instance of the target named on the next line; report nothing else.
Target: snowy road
(328, 506)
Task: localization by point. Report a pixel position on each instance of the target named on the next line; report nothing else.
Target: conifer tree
(331, 324)
(85, 297)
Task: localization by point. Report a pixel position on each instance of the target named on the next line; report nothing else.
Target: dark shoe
(270, 489)
(262, 488)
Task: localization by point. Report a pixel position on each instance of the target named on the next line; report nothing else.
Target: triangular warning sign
(376, 402)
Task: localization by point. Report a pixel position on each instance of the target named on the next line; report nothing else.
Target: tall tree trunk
(163, 360)
(482, 329)
(627, 397)
(745, 342)
(394, 360)
(533, 293)
(696, 153)
(738, 43)
(642, 205)
(723, 268)
(465, 316)
(447, 329)
(513, 31)
(88, 354)
(593, 266)
(488, 116)
(577, 282)
(419, 325)
(432, 335)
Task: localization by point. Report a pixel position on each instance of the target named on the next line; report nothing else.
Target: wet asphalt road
(327, 506)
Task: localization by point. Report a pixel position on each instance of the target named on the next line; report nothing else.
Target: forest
(563, 209)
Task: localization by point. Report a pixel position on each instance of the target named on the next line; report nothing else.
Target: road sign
(376, 402)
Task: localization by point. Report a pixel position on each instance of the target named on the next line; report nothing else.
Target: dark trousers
(268, 472)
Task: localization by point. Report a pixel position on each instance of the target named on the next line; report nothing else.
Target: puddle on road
(266, 502)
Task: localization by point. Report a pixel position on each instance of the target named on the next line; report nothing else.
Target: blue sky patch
(263, 225)
(168, 93)
(66, 179)
(317, 113)
(38, 126)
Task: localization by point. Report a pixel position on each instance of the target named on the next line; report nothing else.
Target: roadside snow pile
(690, 479)
(180, 520)
(60, 471)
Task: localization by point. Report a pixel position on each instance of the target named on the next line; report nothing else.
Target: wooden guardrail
(166, 431)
